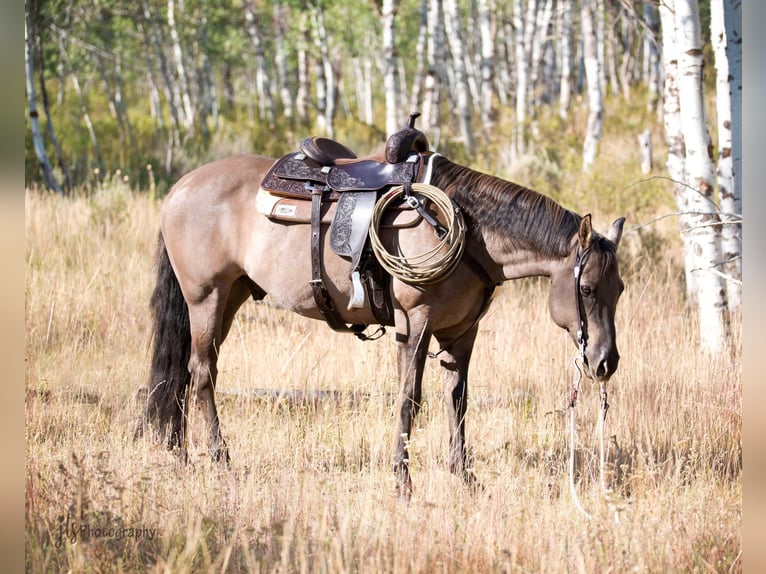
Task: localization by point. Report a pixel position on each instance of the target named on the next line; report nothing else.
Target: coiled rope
(434, 264)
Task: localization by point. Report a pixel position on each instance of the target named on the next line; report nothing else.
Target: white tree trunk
(183, 84)
(539, 40)
(418, 79)
(565, 56)
(363, 81)
(488, 112)
(523, 24)
(731, 239)
(453, 26)
(432, 89)
(391, 84)
(325, 76)
(281, 14)
(503, 62)
(674, 136)
(262, 80)
(34, 122)
(703, 224)
(652, 56)
(171, 92)
(600, 20)
(593, 75)
(302, 95)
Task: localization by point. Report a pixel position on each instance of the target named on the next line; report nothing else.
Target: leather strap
(321, 296)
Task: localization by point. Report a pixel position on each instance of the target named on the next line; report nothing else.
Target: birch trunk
(597, 6)
(209, 92)
(280, 31)
(83, 108)
(652, 56)
(325, 77)
(726, 86)
(34, 122)
(262, 80)
(565, 56)
(538, 41)
(593, 75)
(674, 136)
(183, 83)
(302, 95)
(503, 63)
(452, 23)
(488, 111)
(703, 223)
(150, 31)
(391, 85)
(522, 24)
(432, 89)
(363, 79)
(49, 122)
(418, 79)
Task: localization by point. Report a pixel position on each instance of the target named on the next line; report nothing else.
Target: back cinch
(436, 263)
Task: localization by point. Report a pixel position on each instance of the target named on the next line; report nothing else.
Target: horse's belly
(279, 261)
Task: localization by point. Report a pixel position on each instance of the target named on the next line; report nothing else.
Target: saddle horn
(406, 141)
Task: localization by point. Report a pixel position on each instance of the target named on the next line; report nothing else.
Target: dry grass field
(310, 488)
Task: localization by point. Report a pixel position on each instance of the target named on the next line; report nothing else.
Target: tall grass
(310, 487)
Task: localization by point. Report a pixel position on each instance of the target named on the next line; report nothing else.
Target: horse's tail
(170, 354)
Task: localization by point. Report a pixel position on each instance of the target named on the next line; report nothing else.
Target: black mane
(521, 216)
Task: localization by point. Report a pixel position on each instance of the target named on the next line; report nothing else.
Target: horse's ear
(615, 232)
(585, 233)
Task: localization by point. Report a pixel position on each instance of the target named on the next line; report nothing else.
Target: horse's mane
(521, 216)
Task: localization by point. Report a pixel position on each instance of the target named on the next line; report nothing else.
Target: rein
(582, 340)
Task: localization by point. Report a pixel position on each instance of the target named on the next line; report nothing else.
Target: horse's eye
(586, 290)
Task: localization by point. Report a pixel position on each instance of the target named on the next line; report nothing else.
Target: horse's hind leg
(210, 321)
(454, 363)
(206, 319)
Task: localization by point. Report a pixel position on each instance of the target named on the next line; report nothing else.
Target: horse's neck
(513, 262)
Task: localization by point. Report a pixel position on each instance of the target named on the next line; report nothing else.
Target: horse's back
(208, 214)
(221, 179)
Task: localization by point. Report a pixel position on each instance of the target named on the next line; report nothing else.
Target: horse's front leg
(412, 349)
(454, 362)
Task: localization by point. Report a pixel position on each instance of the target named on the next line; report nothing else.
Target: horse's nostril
(603, 369)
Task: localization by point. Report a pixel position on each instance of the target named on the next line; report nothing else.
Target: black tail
(171, 350)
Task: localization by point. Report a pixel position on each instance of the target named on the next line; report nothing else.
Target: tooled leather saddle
(325, 171)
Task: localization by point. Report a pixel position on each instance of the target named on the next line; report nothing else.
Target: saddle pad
(289, 210)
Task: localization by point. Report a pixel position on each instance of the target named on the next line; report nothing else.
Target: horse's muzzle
(603, 366)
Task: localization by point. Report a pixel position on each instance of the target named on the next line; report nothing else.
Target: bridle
(582, 328)
(581, 258)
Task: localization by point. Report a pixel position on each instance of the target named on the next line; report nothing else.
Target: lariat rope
(434, 264)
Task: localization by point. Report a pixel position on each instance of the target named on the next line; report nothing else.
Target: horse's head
(584, 294)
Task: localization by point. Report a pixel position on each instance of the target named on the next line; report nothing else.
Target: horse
(215, 250)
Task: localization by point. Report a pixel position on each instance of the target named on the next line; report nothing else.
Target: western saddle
(324, 170)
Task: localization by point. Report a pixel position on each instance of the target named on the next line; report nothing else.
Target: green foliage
(107, 44)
